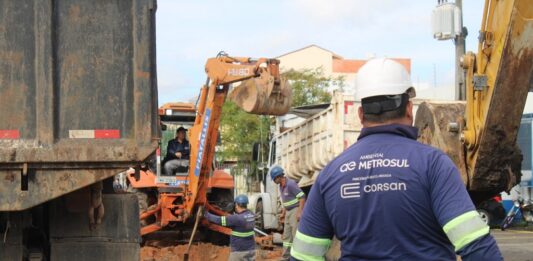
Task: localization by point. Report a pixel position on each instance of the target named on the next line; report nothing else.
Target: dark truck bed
(78, 94)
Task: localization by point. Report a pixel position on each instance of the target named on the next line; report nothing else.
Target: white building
(332, 64)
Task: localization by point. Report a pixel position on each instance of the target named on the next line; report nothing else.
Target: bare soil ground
(199, 251)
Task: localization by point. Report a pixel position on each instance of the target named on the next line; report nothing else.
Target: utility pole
(445, 28)
(460, 87)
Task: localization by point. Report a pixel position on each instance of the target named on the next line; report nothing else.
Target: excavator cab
(173, 116)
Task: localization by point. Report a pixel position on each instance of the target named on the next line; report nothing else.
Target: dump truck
(78, 104)
(303, 142)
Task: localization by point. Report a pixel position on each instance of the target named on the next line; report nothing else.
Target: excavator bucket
(263, 95)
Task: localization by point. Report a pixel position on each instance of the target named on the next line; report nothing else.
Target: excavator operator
(178, 150)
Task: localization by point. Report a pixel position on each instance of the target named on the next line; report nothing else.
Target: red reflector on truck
(107, 134)
(9, 134)
(94, 134)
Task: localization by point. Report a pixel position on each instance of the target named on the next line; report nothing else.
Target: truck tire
(485, 216)
(259, 215)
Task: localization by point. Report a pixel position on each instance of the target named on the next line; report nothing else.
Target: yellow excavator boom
(482, 138)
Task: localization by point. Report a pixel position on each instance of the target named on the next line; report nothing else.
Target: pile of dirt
(199, 251)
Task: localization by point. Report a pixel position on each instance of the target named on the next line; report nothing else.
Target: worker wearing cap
(242, 223)
(389, 197)
(293, 200)
(178, 150)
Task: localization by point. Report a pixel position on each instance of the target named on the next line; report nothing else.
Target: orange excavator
(180, 198)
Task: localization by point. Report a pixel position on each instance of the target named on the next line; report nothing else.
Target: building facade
(332, 64)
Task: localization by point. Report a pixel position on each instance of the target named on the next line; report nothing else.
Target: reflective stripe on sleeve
(305, 247)
(299, 195)
(223, 220)
(465, 228)
(242, 234)
(287, 244)
(290, 202)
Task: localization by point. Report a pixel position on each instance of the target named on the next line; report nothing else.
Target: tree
(310, 86)
(239, 131)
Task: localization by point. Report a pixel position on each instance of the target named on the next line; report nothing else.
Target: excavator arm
(480, 136)
(262, 91)
(499, 77)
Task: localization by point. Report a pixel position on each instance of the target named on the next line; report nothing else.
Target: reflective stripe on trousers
(242, 256)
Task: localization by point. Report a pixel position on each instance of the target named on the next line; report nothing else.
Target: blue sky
(189, 32)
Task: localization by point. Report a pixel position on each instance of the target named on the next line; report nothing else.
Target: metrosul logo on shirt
(375, 183)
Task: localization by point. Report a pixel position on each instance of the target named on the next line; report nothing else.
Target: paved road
(515, 245)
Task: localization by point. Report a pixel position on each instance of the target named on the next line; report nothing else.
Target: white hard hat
(382, 76)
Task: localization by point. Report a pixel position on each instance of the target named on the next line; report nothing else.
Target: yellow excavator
(480, 135)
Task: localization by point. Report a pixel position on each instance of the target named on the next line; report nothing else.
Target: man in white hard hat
(389, 197)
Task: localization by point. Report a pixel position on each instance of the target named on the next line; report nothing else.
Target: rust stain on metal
(13, 87)
(46, 185)
(142, 74)
(10, 177)
(14, 58)
(493, 167)
(74, 12)
(499, 153)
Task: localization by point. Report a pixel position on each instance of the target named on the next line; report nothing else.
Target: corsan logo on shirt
(353, 190)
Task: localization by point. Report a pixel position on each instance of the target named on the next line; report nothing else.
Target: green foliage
(239, 131)
(310, 86)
